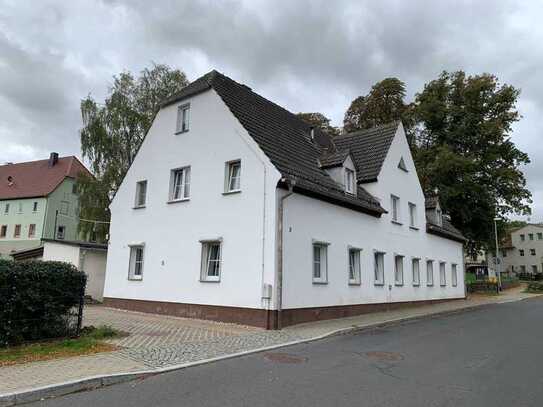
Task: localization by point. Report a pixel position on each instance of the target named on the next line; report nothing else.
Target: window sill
(443, 285)
(320, 282)
(181, 132)
(135, 279)
(429, 285)
(379, 283)
(174, 201)
(416, 284)
(398, 284)
(395, 222)
(139, 207)
(209, 281)
(355, 283)
(413, 228)
(237, 191)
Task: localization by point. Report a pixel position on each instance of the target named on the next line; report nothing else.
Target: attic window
(349, 181)
(401, 165)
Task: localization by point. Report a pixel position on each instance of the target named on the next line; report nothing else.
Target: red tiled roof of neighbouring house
(37, 178)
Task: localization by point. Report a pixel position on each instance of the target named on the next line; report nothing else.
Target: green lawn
(90, 341)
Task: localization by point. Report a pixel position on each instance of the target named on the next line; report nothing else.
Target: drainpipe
(290, 183)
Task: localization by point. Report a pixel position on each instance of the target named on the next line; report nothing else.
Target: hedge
(535, 287)
(37, 300)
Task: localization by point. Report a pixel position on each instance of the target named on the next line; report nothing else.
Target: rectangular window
(135, 265)
(540, 236)
(20, 208)
(35, 207)
(6, 209)
(64, 207)
(61, 232)
(211, 261)
(180, 184)
(183, 118)
(429, 273)
(442, 274)
(349, 181)
(439, 216)
(454, 275)
(415, 264)
(522, 238)
(17, 231)
(320, 263)
(233, 176)
(354, 266)
(379, 268)
(395, 208)
(74, 189)
(531, 236)
(31, 230)
(534, 269)
(521, 252)
(532, 252)
(523, 269)
(3, 231)
(398, 270)
(412, 215)
(141, 194)
(504, 253)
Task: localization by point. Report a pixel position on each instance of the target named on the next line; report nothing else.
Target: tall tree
(383, 104)
(320, 121)
(464, 148)
(112, 133)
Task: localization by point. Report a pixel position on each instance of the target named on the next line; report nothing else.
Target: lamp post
(497, 248)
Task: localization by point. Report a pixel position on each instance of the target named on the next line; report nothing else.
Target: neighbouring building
(38, 200)
(522, 250)
(234, 209)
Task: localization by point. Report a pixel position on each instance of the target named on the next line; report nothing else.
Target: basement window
(135, 266)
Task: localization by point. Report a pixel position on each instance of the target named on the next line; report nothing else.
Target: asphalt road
(492, 356)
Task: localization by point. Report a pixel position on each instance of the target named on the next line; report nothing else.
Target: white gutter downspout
(290, 183)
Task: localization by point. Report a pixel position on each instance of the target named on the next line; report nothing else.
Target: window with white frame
(135, 265)
(415, 265)
(398, 269)
(17, 231)
(454, 275)
(354, 266)
(429, 273)
(439, 216)
(141, 194)
(32, 230)
(349, 181)
(20, 209)
(180, 184)
(379, 268)
(3, 231)
(412, 215)
(395, 208)
(211, 261)
(320, 263)
(183, 118)
(442, 274)
(233, 176)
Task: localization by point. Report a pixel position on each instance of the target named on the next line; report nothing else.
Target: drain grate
(284, 358)
(384, 356)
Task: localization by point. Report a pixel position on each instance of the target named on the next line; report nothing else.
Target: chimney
(53, 159)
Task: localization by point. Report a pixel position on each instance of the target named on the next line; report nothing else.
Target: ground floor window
(354, 266)
(415, 263)
(379, 268)
(442, 274)
(429, 273)
(211, 261)
(534, 269)
(398, 269)
(61, 232)
(454, 275)
(320, 263)
(135, 268)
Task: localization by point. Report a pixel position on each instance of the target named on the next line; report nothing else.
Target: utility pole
(497, 251)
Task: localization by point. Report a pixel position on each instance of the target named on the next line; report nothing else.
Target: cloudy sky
(305, 55)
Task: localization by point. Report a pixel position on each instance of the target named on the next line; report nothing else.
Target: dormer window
(349, 181)
(439, 217)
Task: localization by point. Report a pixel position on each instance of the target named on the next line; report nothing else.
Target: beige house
(522, 252)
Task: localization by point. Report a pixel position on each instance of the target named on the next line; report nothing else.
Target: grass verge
(90, 342)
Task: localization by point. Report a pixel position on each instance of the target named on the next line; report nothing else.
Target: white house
(522, 251)
(236, 210)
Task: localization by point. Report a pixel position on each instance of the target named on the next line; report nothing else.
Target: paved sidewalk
(157, 342)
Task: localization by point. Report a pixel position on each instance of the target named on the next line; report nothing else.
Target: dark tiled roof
(368, 149)
(447, 230)
(36, 178)
(284, 138)
(333, 159)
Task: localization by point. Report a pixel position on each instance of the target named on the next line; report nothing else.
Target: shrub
(37, 298)
(535, 287)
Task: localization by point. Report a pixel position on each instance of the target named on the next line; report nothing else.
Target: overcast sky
(304, 55)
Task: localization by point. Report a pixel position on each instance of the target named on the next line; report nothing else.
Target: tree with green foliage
(464, 149)
(112, 133)
(383, 104)
(320, 121)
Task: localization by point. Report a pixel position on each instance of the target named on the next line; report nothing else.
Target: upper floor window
(74, 189)
(141, 194)
(20, 208)
(211, 261)
(180, 184)
(412, 215)
(521, 252)
(531, 236)
(398, 270)
(395, 208)
(35, 207)
(439, 216)
(532, 252)
(17, 231)
(31, 230)
(6, 209)
(183, 118)
(522, 238)
(233, 176)
(320, 262)
(442, 275)
(354, 266)
(135, 266)
(3, 231)
(379, 268)
(349, 181)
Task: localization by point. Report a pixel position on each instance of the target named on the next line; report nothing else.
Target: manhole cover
(384, 356)
(284, 358)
